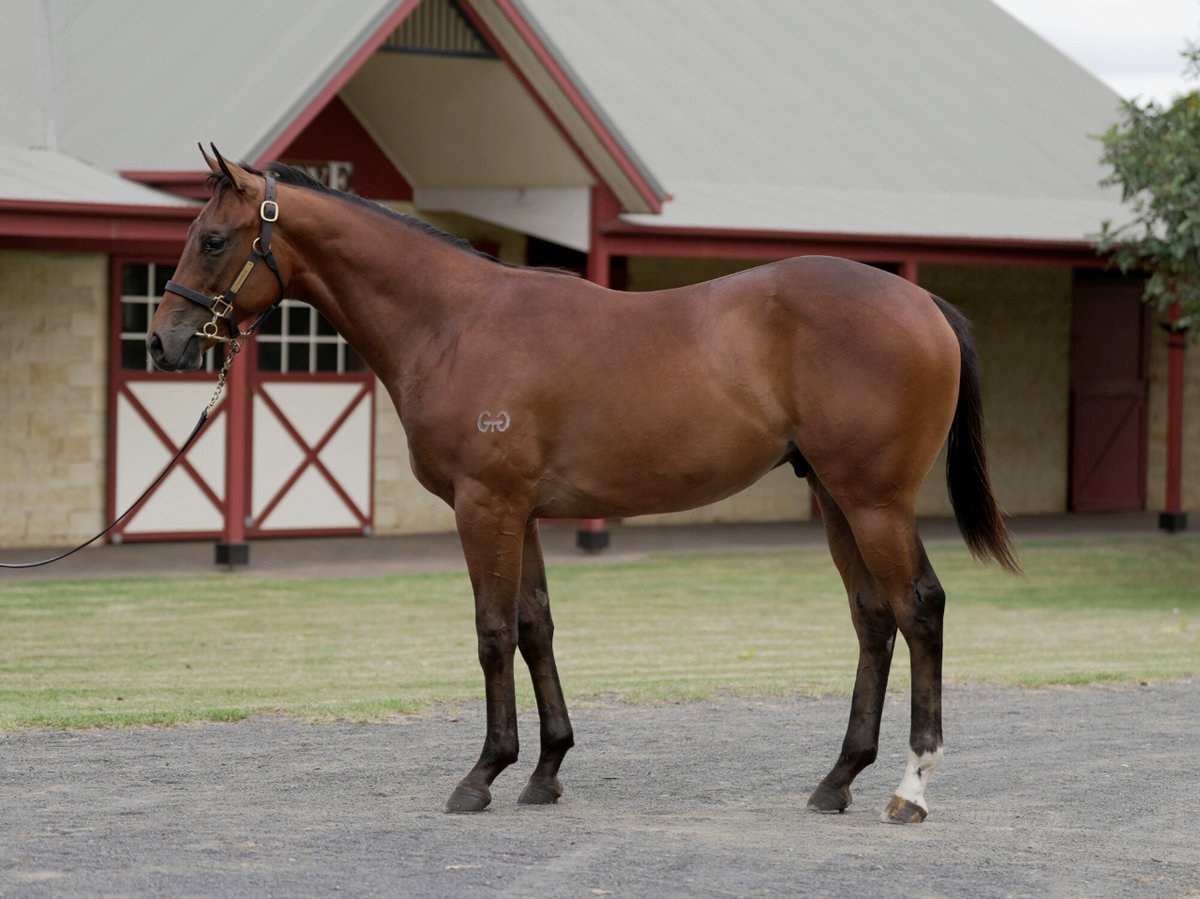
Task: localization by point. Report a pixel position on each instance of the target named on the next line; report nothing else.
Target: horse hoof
(828, 800)
(902, 811)
(465, 799)
(540, 793)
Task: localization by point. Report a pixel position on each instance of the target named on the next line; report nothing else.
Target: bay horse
(528, 393)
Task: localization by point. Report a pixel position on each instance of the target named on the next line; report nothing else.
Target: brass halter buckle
(221, 307)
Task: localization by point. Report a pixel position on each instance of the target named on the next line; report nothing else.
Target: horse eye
(212, 243)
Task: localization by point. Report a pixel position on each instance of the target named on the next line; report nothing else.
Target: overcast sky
(1133, 45)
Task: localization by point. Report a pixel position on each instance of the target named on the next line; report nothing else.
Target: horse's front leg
(536, 641)
(492, 539)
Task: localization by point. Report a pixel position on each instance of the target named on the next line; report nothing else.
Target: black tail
(979, 516)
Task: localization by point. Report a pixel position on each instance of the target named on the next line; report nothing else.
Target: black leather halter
(222, 304)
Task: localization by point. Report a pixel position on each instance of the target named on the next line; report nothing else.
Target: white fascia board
(557, 214)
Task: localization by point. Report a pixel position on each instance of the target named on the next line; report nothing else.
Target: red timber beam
(592, 534)
(1173, 518)
(623, 238)
(83, 227)
(232, 549)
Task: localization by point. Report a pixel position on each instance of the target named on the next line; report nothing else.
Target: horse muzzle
(179, 354)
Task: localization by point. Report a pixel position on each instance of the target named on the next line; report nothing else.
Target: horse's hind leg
(876, 628)
(903, 580)
(536, 641)
(919, 616)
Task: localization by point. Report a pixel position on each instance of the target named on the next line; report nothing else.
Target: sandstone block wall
(54, 384)
(1022, 319)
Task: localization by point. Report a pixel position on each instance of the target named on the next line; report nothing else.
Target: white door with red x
(309, 451)
(312, 456)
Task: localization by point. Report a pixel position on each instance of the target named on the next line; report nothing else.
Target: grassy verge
(137, 651)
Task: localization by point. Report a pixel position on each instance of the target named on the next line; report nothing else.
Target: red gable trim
(277, 147)
(191, 184)
(649, 193)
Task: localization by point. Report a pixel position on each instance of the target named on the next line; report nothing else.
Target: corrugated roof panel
(26, 107)
(226, 71)
(939, 98)
(831, 210)
(46, 176)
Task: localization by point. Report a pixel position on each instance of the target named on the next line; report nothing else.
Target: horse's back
(819, 328)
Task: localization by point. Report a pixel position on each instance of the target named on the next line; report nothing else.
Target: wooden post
(592, 534)
(1173, 518)
(233, 550)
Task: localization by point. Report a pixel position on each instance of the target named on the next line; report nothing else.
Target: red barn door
(1109, 354)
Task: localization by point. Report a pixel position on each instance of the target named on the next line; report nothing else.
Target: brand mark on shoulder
(494, 423)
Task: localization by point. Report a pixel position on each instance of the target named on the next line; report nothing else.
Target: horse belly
(658, 469)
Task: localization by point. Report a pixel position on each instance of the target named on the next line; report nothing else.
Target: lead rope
(234, 349)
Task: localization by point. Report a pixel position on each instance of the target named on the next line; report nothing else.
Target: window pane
(135, 280)
(327, 354)
(273, 324)
(298, 321)
(133, 355)
(162, 274)
(135, 317)
(324, 328)
(268, 356)
(297, 357)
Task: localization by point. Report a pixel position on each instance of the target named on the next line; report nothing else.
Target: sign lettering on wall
(335, 173)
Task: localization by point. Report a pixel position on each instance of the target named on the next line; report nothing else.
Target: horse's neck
(386, 286)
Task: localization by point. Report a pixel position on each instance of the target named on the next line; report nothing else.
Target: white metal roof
(47, 176)
(33, 165)
(906, 117)
(913, 117)
(871, 211)
(132, 85)
(137, 84)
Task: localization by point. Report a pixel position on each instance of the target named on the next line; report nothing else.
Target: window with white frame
(142, 286)
(297, 339)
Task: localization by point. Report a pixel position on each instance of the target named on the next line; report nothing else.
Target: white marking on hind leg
(916, 776)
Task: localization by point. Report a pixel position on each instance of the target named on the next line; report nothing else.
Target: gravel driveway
(1062, 792)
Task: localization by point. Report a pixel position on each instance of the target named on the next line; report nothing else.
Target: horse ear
(238, 176)
(208, 160)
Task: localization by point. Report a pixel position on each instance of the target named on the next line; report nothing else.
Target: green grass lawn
(87, 653)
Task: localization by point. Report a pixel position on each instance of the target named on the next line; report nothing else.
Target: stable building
(645, 145)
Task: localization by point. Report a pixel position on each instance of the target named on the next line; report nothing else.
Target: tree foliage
(1154, 152)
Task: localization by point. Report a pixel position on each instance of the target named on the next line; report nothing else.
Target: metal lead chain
(234, 349)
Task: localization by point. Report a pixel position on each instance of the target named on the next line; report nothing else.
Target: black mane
(295, 177)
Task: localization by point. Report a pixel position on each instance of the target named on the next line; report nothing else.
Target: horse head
(217, 284)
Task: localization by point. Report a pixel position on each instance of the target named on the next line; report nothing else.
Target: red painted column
(1173, 518)
(233, 549)
(604, 208)
(592, 534)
